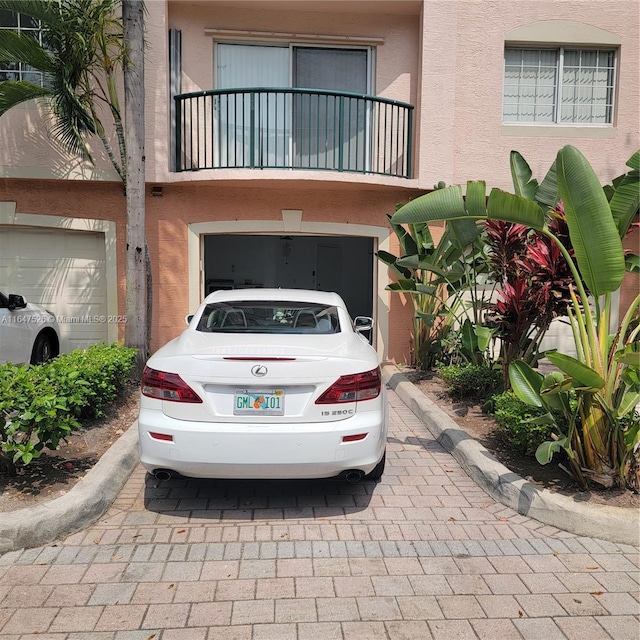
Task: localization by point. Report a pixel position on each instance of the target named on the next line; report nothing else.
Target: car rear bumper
(251, 451)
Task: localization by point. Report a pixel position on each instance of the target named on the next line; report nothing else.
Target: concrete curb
(81, 506)
(598, 521)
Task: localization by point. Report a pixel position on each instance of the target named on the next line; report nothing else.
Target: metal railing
(293, 129)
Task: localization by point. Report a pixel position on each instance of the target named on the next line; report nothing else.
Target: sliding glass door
(330, 131)
(254, 129)
(304, 129)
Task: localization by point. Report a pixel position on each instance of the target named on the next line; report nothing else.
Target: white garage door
(63, 271)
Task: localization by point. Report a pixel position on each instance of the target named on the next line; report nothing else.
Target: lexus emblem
(259, 370)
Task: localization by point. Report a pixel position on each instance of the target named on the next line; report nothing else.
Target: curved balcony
(292, 129)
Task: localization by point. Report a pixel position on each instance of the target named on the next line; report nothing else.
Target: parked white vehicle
(265, 383)
(28, 333)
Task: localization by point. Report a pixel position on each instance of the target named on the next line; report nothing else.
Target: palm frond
(45, 11)
(13, 92)
(21, 47)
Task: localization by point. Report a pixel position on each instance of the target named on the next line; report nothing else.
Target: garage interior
(325, 263)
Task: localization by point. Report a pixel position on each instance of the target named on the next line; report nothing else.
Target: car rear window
(269, 317)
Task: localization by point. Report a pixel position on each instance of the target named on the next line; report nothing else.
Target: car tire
(42, 349)
(378, 470)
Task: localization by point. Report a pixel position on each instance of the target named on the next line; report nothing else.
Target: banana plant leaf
(443, 204)
(632, 263)
(526, 383)
(628, 403)
(476, 199)
(583, 377)
(523, 182)
(630, 355)
(468, 336)
(625, 201)
(392, 261)
(544, 453)
(448, 204)
(594, 234)
(634, 161)
(483, 335)
(414, 262)
(407, 243)
(632, 437)
(511, 208)
(462, 232)
(547, 194)
(555, 383)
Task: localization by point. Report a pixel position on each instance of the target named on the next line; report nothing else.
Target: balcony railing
(292, 129)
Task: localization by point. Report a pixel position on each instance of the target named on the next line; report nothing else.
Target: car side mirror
(362, 323)
(188, 318)
(16, 302)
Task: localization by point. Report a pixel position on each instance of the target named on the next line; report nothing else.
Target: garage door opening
(342, 264)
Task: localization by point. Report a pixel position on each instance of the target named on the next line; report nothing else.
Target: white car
(265, 383)
(28, 333)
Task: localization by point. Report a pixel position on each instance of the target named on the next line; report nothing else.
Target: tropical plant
(82, 56)
(436, 276)
(41, 405)
(605, 375)
(473, 382)
(517, 423)
(533, 285)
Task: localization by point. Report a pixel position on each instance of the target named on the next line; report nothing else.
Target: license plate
(263, 403)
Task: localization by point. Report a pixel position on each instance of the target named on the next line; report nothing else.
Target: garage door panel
(63, 271)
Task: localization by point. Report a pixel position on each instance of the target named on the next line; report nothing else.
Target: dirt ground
(551, 476)
(56, 472)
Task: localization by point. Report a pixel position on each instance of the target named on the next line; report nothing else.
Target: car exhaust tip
(163, 474)
(353, 476)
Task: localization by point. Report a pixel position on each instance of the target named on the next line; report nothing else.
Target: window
(313, 123)
(269, 317)
(558, 86)
(22, 24)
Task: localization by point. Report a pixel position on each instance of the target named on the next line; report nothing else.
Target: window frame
(24, 69)
(559, 84)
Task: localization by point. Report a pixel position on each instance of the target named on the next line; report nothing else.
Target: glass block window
(24, 24)
(558, 86)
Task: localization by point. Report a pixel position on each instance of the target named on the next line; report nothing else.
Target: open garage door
(64, 271)
(326, 263)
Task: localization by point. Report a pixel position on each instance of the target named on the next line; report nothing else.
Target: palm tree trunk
(136, 334)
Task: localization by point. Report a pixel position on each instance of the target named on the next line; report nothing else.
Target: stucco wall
(168, 218)
(461, 133)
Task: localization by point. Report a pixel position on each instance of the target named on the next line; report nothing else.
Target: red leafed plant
(534, 283)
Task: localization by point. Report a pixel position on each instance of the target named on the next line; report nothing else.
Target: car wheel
(378, 470)
(42, 349)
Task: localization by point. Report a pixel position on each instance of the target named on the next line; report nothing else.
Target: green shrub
(41, 405)
(511, 415)
(471, 381)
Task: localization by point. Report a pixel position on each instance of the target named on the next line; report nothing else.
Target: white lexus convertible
(265, 383)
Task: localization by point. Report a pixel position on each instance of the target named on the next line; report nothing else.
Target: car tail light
(354, 438)
(359, 386)
(167, 386)
(161, 436)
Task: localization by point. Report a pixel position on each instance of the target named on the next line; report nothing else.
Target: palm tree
(138, 267)
(82, 53)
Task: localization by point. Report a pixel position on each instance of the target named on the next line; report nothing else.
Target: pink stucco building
(281, 133)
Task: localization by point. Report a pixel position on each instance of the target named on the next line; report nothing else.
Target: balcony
(292, 129)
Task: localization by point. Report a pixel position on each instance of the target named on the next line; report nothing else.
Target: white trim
(8, 216)
(565, 31)
(232, 34)
(380, 235)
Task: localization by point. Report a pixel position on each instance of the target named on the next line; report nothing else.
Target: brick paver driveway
(424, 554)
